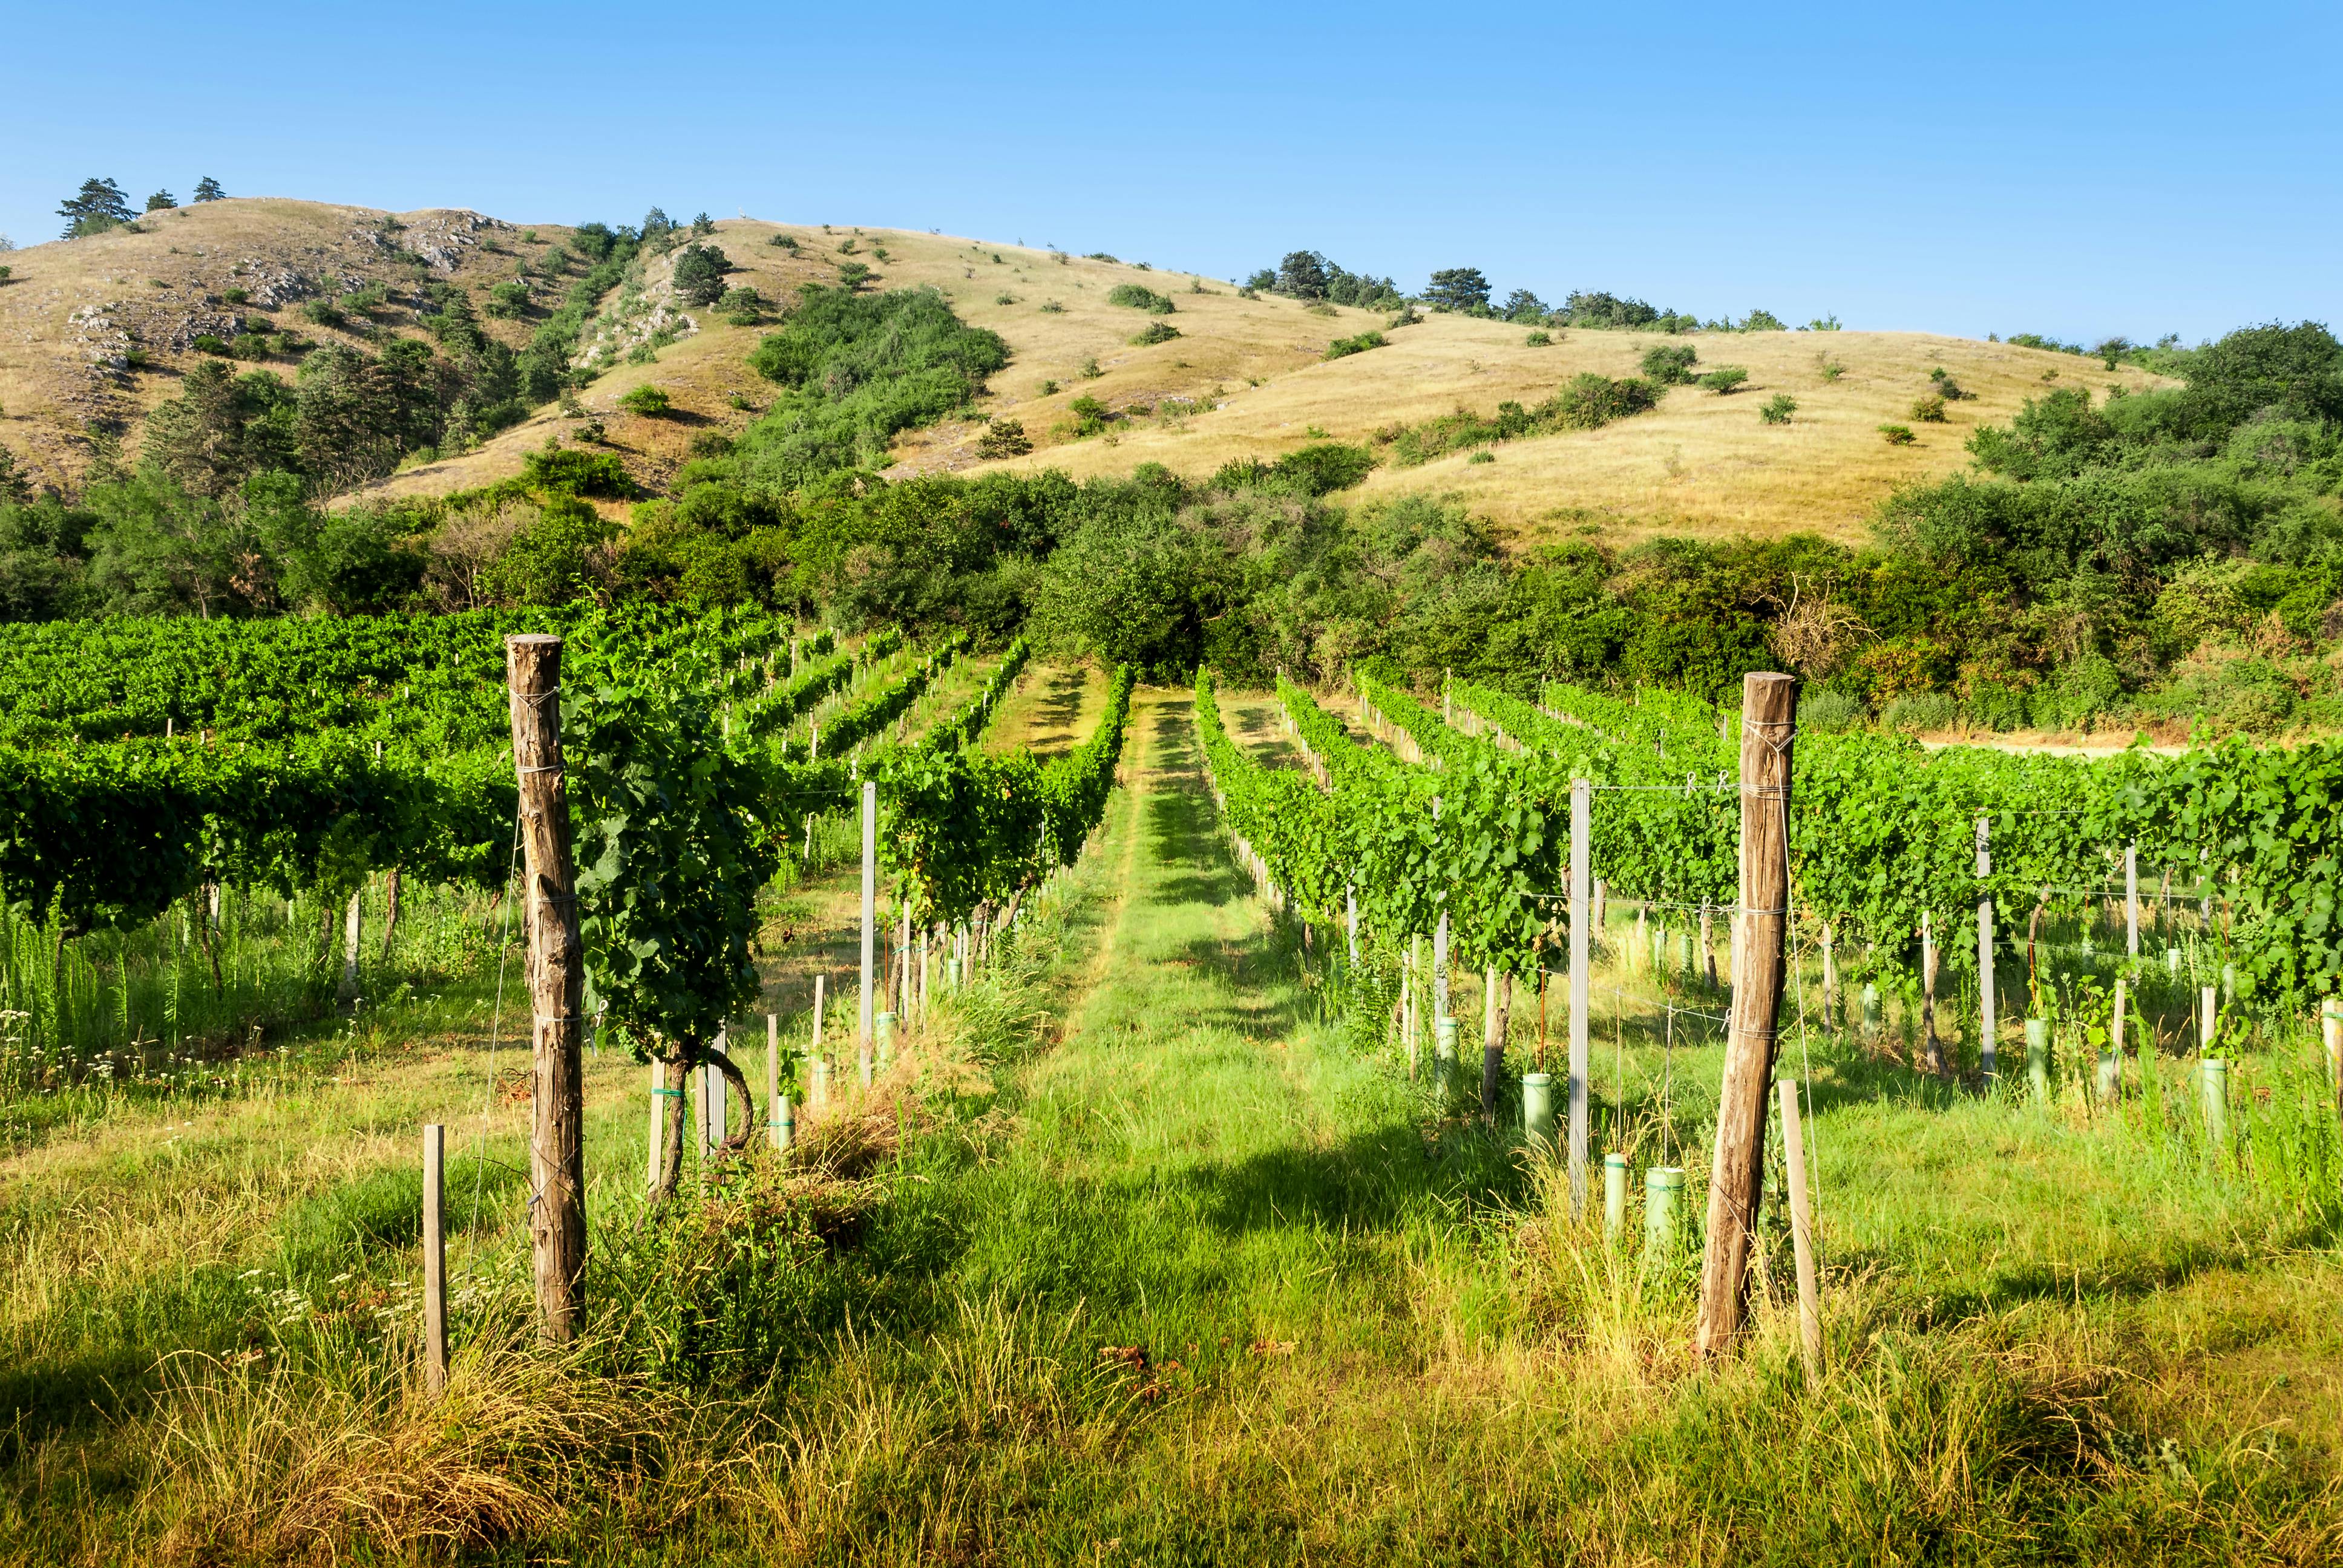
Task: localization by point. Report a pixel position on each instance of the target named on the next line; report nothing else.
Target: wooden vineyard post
(869, 917)
(1580, 947)
(1933, 1047)
(1737, 1173)
(1802, 1233)
(777, 1108)
(814, 1071)
(1986, 1023)
(658, 1118)
(557, 977)
(1439, 950)
(434, 1258)
(1830, 983)
(2131, 898)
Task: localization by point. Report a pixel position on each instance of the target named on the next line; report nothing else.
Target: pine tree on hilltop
(161, 201)
(100, 206)
(1459, 288)
(208, 190)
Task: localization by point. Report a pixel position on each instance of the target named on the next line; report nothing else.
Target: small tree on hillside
(161, 201)
(673, 843)
(99, 206)
(1521, 305)
(1458, 289)
(700, 272)
(208, 190)
(1302, 274)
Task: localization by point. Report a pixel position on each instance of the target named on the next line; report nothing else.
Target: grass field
(1148, 1253)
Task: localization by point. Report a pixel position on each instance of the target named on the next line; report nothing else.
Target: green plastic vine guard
(1538, 1106)
(1662, 1192)
(2038, 1058)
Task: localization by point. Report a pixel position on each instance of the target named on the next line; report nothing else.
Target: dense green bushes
(1588, 401)
(1138, 297)
(856, 370)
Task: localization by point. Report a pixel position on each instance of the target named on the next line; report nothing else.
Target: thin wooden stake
(1802, 1233)
(1582, 798)
(869, 921)
(434, 1258)
(557, 977)
(2131, 898)
(1737, 1173)
(1986, 1023)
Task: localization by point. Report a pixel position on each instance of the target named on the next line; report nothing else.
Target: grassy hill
(1245, 377)
(95, 332)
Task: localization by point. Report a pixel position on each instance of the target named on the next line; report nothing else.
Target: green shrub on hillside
(1153, 333)
(1898, 435)
(1724, 380)
(857, 369)
(1591, 400)
(700, 272)
(1671, 364)
(507, 300)
(1342, 347)
(1138, 297)
(1928, 410)
(1004, 438)
(647, 400)
(1090, 416)
(1778, 408)
(1587, 402)
(576, 473)
(1539, 339)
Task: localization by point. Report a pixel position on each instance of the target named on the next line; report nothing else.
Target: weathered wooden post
(434, 1258)
(1581, 964)
(777, 1120)
(557, 977)
(1987, 1024)
(1737, 1173)
(2131, 898)
(1802, 1233)
(869, 917)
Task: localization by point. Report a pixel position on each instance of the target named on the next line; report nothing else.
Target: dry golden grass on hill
(77, 316)
(1246, 377)
(1700, 464)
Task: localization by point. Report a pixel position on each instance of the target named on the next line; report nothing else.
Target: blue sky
(2075, 169)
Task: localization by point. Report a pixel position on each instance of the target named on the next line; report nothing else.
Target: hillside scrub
(1586, 402)
(1138, 297)
(2156, 560)
(855, 371)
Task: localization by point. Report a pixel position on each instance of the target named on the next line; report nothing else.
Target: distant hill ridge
(95, 332)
